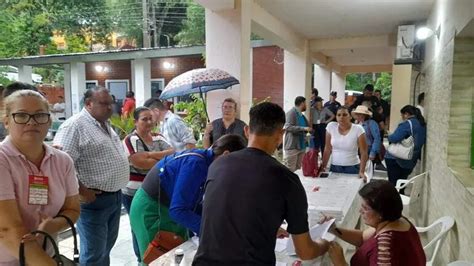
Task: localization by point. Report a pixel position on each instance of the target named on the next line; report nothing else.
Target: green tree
(357, 81)
(25, 25)
(194, 27)
(128, 19)
(384, 84)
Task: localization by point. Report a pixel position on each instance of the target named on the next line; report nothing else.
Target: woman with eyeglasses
(390, 238)
(38, 182)
(343, 141)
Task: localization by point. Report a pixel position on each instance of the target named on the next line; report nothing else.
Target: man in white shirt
(173, 128)
(102, 169)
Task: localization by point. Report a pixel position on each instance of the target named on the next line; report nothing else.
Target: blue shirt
(183, 179)
(301, 123)
(402, 132)
(372, 136)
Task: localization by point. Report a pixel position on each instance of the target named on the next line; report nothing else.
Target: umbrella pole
(204, 102)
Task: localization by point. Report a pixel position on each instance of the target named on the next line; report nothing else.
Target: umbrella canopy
(199, 80)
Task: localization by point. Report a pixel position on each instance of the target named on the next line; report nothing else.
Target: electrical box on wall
(408, 50)
(405, 41)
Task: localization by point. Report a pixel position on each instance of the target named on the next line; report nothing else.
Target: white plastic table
(336, 194)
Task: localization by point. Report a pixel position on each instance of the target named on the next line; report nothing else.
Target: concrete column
(78, 84)
(401, 90)
(24, 74)
(322, 81)
(296, 77)
(132, 85)
(228, 48)
(67, 90)
(338, 84)
(141, 80)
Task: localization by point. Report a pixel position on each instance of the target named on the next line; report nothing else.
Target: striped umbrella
(200, 81)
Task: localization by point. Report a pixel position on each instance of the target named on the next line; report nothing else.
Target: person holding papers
(248, 195)
(390, 239)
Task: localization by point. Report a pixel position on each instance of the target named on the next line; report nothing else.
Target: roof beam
(323, 60)
(385, 40)
(269, 27)
(366, 69)
(104, 56)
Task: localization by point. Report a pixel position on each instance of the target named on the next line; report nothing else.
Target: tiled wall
(461, 104)
(447, 99)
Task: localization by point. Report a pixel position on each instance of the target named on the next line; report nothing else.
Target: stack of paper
(317, 231)
(330, 212)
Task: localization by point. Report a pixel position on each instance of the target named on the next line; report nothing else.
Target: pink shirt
(15, 168)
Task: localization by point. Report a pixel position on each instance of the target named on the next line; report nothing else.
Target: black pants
(395, 172)
(319, 134)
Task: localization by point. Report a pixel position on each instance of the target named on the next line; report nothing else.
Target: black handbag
(60, 259)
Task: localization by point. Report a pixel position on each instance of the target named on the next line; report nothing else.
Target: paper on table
(317, 231)
(281, 244)
(195, 240)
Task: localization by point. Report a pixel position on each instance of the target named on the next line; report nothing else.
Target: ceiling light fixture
(424, 33)
(168, 65)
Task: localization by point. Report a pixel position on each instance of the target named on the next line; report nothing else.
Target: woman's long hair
(412, 110)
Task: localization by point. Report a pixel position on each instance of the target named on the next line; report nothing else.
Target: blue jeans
(98, 227)
(127, 202)
(351, 169)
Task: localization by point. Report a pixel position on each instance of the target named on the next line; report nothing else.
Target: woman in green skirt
(171, 194)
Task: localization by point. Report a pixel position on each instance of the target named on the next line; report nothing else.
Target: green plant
(195, 114)
(123, 126)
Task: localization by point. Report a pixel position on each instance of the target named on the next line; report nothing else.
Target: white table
(337, 192)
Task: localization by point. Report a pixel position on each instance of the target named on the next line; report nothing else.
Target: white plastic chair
(416, 188)
(446, 223)
(461, 263)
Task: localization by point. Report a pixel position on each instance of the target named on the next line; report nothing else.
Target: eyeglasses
(24, 118)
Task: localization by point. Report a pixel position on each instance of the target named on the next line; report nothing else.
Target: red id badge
(38, 190)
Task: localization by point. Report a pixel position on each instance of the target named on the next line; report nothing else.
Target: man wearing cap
(332, 104)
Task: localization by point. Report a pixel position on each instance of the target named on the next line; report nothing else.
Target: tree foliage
(25, 25)
(127, 16)
(194, 27)
(382, 81)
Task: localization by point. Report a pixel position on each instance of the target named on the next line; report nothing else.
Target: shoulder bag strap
(56, 257)
(74, 235)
